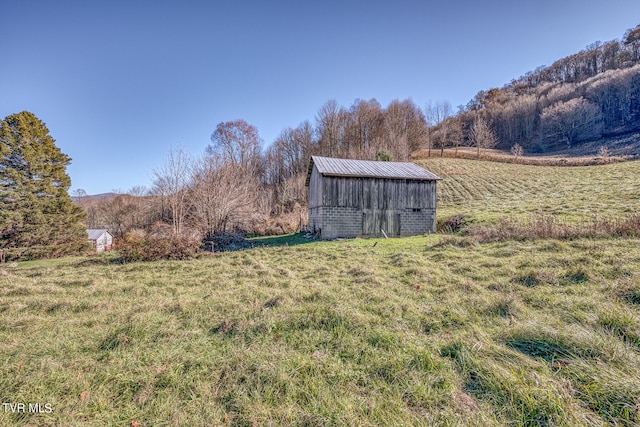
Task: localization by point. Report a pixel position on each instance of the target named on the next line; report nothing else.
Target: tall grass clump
(607, 391)
(517, 389)
(548, 226)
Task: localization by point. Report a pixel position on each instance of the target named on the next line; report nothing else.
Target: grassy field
(432, 330)
(487, 190)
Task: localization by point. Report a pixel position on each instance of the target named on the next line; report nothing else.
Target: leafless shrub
(451, 224)
(222, 195)
(284, 223)
(137, 247)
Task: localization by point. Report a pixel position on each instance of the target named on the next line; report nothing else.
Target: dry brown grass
(546, 226)
(284, 223)
(470, 153)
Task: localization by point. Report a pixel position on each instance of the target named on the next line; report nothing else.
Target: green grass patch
(282, 240)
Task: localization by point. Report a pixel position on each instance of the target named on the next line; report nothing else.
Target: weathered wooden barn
(362, 198)
(100, 239)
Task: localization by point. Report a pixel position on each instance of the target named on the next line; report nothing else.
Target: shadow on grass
(254, 242)
(282, 240)
(106, 258)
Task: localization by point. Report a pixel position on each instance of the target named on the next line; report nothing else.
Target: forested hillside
(590, 95)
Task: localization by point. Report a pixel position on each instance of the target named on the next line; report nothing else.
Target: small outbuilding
(363, 198)
(100, 239)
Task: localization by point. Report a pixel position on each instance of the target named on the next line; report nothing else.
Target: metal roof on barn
(369, 169)
(94, 234)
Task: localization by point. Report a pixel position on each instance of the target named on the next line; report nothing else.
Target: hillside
(620, 145)
(94, 197)
(588, 98)
(433, 330)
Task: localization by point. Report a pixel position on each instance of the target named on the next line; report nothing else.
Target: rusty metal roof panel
(370, 169)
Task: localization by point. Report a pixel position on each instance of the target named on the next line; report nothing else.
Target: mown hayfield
(433, 330)
(490, 190)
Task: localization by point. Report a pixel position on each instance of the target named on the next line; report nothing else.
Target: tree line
(235, 185)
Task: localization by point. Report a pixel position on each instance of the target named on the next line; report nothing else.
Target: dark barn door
(376, 220)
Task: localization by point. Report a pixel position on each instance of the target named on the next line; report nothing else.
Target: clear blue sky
(120, 82)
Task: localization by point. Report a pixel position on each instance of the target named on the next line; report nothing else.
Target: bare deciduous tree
(446, 131)
(330, 125)
(481, 135)
(632, 40)
(121, 214)
(364, 129)
(220, 193)
(287, 159)
(171, 181)
(517, 151)
(405, 128)
(238, 143)
(430, 118)
(138, 191)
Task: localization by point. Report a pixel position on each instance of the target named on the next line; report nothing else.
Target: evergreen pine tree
(37, 217)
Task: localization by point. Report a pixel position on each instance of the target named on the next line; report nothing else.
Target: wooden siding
(374, 221)
(315, 189)
(373, 193)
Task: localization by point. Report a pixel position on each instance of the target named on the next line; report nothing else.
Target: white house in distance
(100, 239)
